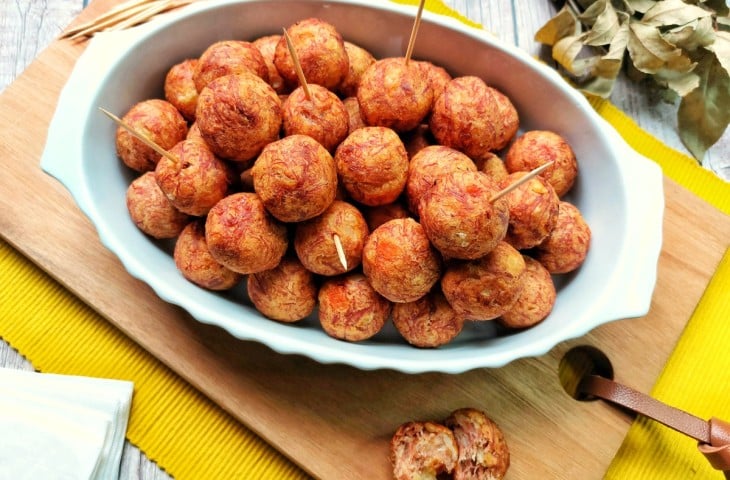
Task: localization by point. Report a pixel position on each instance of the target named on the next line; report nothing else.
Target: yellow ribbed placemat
(170, 420)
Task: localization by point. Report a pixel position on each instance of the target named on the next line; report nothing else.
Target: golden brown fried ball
(536, 300)
(267, 47)
(428, 322)
(196, 180)
(321, 52)
(538, 147)
(485, 288)
(359, 61)
(422, 451)
(467, 116)
(372, 165)
(195, 262)
(394, 94)
(150, 209)
(354, 119)
(350, 309)
(296, 178)
(242, 235)
(437, 76)
(287, 293)
(429, 164)
(238, 115)
(400, 262)
(229, 57)
(565, 249)
(323, 116)
(458, 217)
(509, 116)
(493, 166)
(376, 216)
(160, 122)
(533, 211)
(483, 450)
(314, 239)
(180, 88)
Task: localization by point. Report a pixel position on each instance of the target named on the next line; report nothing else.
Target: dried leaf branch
(684, 45)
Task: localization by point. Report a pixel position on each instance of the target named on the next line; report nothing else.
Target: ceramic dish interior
(618, 191)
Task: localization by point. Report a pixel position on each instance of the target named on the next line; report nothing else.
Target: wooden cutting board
(333, 420)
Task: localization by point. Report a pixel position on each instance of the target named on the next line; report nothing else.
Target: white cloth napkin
(61, 426)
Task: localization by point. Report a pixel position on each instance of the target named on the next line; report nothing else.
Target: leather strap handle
(713, 435)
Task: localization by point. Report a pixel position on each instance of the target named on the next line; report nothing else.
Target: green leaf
(650, 52)
(605, 26)
(563, 24)
(698, 33)
(673, 12)
(721, 49)
(704, 113)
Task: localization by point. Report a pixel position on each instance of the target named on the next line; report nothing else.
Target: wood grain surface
(333, 420)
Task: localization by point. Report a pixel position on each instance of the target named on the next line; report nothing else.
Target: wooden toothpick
(414, 31)
(519, 182)
(297, 65)
(141, 137)
(340, 250)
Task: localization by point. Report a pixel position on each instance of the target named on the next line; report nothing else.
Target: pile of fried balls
(367, 191)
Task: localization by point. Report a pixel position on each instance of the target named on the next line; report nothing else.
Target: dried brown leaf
(640, 6)
(566, 52)
(673, 12)
(650, 52)
(698, 33)
(704, 113)
(605, 26)
(563, 24)
(720, 7)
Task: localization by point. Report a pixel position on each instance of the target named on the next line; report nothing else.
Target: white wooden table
(28, 26)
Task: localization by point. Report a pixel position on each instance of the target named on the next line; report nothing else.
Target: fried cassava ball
(242, 235)
(536, 300)
(483, 450)
(295, 177)
(350, 309)
(400, 262)
(195, 262)
(150, 209)
(427, 322)
(372, 165)
(238, 115)
(195, 180)
(323, 116)
(321, 52)
(423, 451)
(229, 57)
(180, 88)
(359, 61)
(458, 217)
(538, 147)
(485, 288)
(533, 211)
(287, 292)
(394, 94)
(566, 248)
(267, 47)
(160, 122)
(314, 239)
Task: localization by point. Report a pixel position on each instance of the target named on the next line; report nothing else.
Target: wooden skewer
(142, 138)
(519, 182)
(414, 31)
(297, 66)
(120, 11)
(340, 250)
(132, 14)
(149, 13)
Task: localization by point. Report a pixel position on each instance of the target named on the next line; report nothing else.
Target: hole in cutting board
(577, 363)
